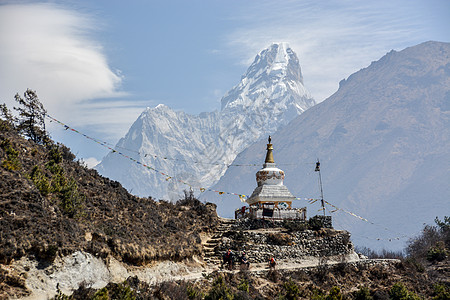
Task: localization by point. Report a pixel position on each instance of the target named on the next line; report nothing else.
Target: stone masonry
(261, 239)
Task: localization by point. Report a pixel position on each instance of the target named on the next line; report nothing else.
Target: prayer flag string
(168, 177)
(242, 197)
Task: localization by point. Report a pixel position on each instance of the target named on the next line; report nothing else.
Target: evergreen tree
(31, 121)
(7, 120)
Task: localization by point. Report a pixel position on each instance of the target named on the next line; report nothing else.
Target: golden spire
(269, 155)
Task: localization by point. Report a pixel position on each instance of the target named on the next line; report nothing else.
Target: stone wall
(260, 244)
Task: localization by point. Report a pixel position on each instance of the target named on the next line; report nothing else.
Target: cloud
(52, 50)
(333, 39)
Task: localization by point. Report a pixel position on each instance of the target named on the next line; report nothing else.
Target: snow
(254, 108)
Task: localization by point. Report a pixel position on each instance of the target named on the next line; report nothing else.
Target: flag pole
(320, 185)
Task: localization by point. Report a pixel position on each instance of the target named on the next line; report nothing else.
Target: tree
(31, 121)
(6, 115)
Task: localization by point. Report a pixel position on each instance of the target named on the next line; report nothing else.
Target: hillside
(52, 206)
(61, 223)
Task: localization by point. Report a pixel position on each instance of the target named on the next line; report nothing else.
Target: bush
(280, 239)
(318, 295)
(71, 199)
(11, 163)
(291, 289)
(442, 292)
(101, 294)
(335, 294)
(437, 253)
(219, 290)
(432, 242)
(362, 294)
(243, 285)
(193, 293)
(40, 180)
(400, 292)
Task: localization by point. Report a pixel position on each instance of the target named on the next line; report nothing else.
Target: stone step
(228, 221)
(212, 261)
(214, 240)
(212, 243)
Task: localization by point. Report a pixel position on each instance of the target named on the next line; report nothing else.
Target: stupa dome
(270, 175)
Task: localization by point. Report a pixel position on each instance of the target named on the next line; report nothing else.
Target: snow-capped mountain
(199, 147)
(383, 140)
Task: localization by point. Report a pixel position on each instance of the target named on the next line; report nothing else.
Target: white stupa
(270, 189)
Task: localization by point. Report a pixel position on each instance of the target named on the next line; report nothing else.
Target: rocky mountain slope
(197, 148)
(383, 140)
(51, 206)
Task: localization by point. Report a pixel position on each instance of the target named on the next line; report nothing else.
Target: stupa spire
(269, 155)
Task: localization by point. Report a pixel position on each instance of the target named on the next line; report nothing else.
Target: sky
(96, 65)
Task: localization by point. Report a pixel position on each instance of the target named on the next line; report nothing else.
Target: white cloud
(333, 39)
(51, 50)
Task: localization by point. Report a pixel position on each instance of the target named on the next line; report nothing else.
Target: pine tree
(31, 121)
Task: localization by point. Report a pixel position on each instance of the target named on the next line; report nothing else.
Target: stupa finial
(269, 155)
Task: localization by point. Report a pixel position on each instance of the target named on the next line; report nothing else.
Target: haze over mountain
(383, 140)
(199, 147)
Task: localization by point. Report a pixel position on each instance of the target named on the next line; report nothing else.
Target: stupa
(271, 198)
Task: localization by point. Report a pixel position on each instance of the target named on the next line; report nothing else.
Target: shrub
(243, 285)
(362, 294)
(219, 290)
(318, 295)
(291, 289)
(442, 292)
(123, 292)
(416, 265)
(193, 293)
(334, 294)
(71, 199)
(400, 292)
(11, 163)
(40, 180)
(101, 294)
(437, 253)
(281, 239)
(420, 246)
(54, 155)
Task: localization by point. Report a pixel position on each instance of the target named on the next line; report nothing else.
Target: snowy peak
(274, 69)
(269, 96)
(274, 76)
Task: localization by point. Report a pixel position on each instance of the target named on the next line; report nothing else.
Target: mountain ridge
(269, 95)
(382, 139)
